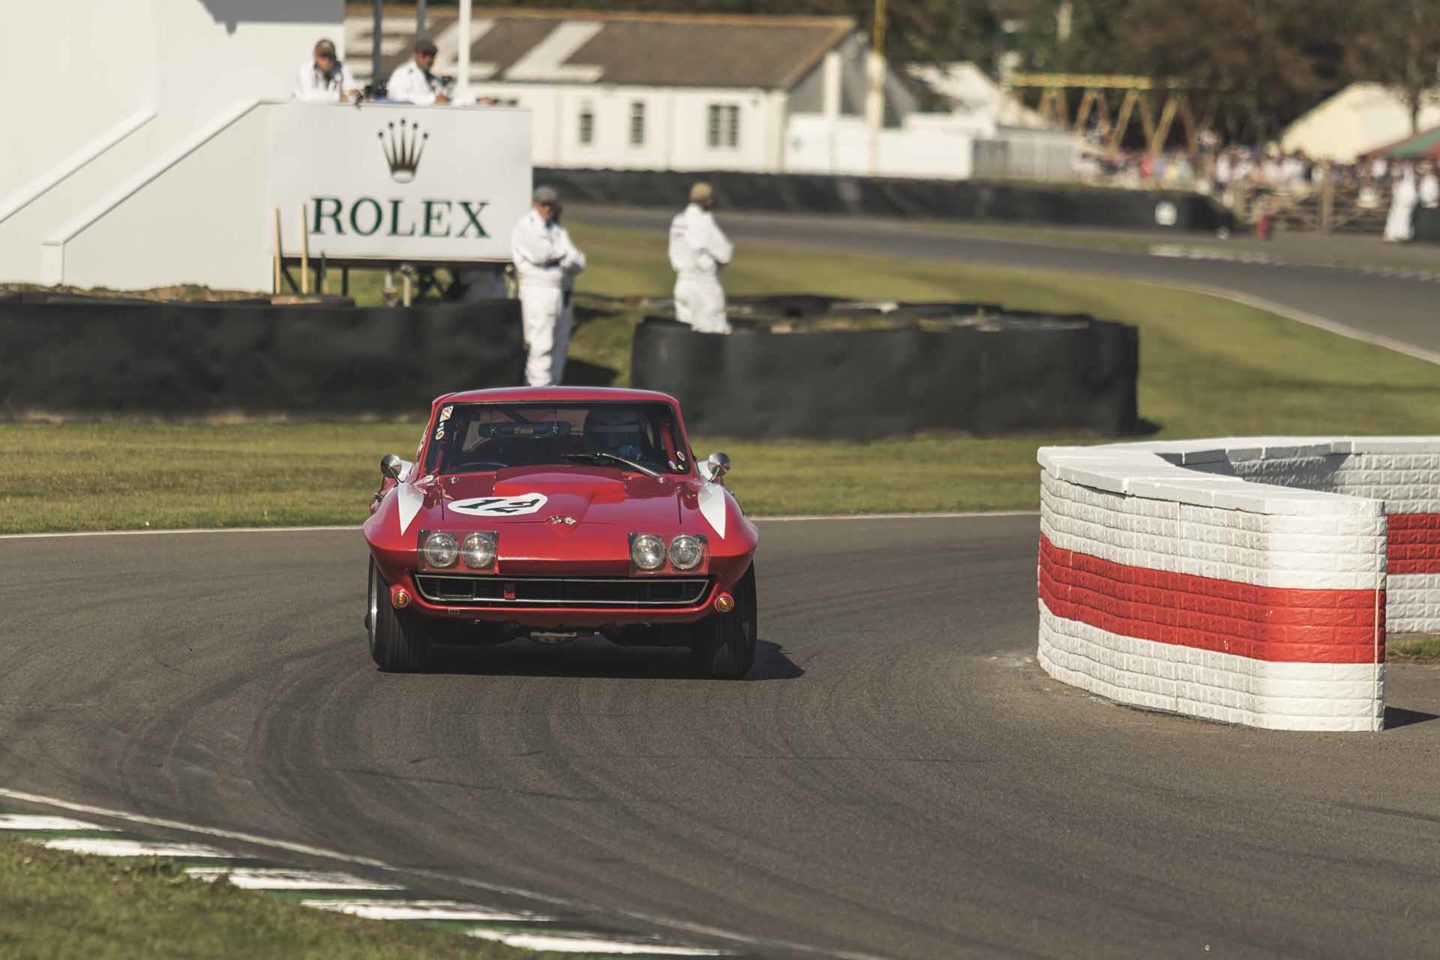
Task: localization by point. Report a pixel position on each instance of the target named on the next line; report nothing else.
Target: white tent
(1358, 119)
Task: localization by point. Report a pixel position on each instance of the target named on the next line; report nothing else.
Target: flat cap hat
(545, 195)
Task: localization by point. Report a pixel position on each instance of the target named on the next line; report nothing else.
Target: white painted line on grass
(578, 943)
(101, 847)
(287, 845)
(1269, 306)
(281, 878)
(1309, 319)
(311, 851)
(421, 910)
(25, 821)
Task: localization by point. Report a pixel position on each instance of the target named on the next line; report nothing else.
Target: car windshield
(480, 437)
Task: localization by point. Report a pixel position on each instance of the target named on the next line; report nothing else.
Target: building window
(637, 123)
(587, 125)
(724, 126)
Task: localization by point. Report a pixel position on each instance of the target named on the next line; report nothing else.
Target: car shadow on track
(598, 658)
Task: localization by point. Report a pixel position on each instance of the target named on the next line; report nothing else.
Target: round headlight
(647, 551)
(686, 552)
(478, 550)
(440, 550)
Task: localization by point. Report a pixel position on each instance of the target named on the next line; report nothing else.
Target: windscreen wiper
(610, 457)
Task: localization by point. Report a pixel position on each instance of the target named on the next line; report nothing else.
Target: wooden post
(279, 254)
(1102, 109)
(1162, 131)
(462, 68)
(1127, 108)
(1327, 199)
(304, 251)
(1082, 113)
(1187, 118)
(1147, 119)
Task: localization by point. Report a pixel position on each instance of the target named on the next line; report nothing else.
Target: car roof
(556, 394)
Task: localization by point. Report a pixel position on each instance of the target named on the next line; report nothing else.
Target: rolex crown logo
(403, 148)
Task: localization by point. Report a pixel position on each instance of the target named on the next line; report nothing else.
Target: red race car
(554, 513)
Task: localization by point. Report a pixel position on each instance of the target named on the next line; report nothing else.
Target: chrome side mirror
(391, 466)
(718, 465)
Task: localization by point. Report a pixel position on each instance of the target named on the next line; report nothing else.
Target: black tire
(398, 643)
(725, 643)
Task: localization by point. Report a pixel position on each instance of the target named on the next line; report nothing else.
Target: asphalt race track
(898, 779)
(1375, 305)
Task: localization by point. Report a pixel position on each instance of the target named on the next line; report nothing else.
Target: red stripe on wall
(1276, 624)
(1413, 543)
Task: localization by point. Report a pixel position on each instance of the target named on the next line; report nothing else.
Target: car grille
(616, 592)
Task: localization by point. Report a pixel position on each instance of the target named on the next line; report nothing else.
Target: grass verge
(1413, 648)
(1209, 367)
(55, 904)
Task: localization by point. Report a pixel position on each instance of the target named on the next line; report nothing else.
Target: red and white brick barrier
(1244, 580)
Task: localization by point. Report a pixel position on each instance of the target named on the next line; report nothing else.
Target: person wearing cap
(698, 251)
(546, 263)
(324, 79)
(413, 82)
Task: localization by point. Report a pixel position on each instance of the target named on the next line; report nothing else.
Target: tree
(1094, 45)
(1266, 60)
(1397, 43)
(937, 31)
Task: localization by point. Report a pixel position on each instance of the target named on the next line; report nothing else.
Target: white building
(133, 125)
(668, 91)
(150, 138)
(154, 142)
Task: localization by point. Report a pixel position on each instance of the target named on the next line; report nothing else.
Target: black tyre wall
(898, 197)
(80, 355)
(885, 382)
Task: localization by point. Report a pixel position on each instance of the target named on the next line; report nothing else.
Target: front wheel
(398, 644)
(725, 642)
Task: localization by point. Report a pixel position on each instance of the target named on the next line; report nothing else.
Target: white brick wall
(1321, 552)
(1284, 512)
(1211, 685)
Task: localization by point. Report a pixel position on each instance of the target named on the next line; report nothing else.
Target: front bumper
(576, 614)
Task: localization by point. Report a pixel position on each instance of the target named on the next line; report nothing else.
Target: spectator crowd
(1239, 175)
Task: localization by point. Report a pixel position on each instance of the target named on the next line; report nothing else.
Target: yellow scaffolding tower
(1138, 102)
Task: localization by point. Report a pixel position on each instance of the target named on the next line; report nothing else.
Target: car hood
(584, 494)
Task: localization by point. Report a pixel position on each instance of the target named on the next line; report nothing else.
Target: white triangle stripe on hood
(712, 507)
(409, 504)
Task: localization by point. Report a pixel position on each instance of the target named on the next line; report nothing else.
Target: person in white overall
(546, 262)
(698, 251)
(1404, 197)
